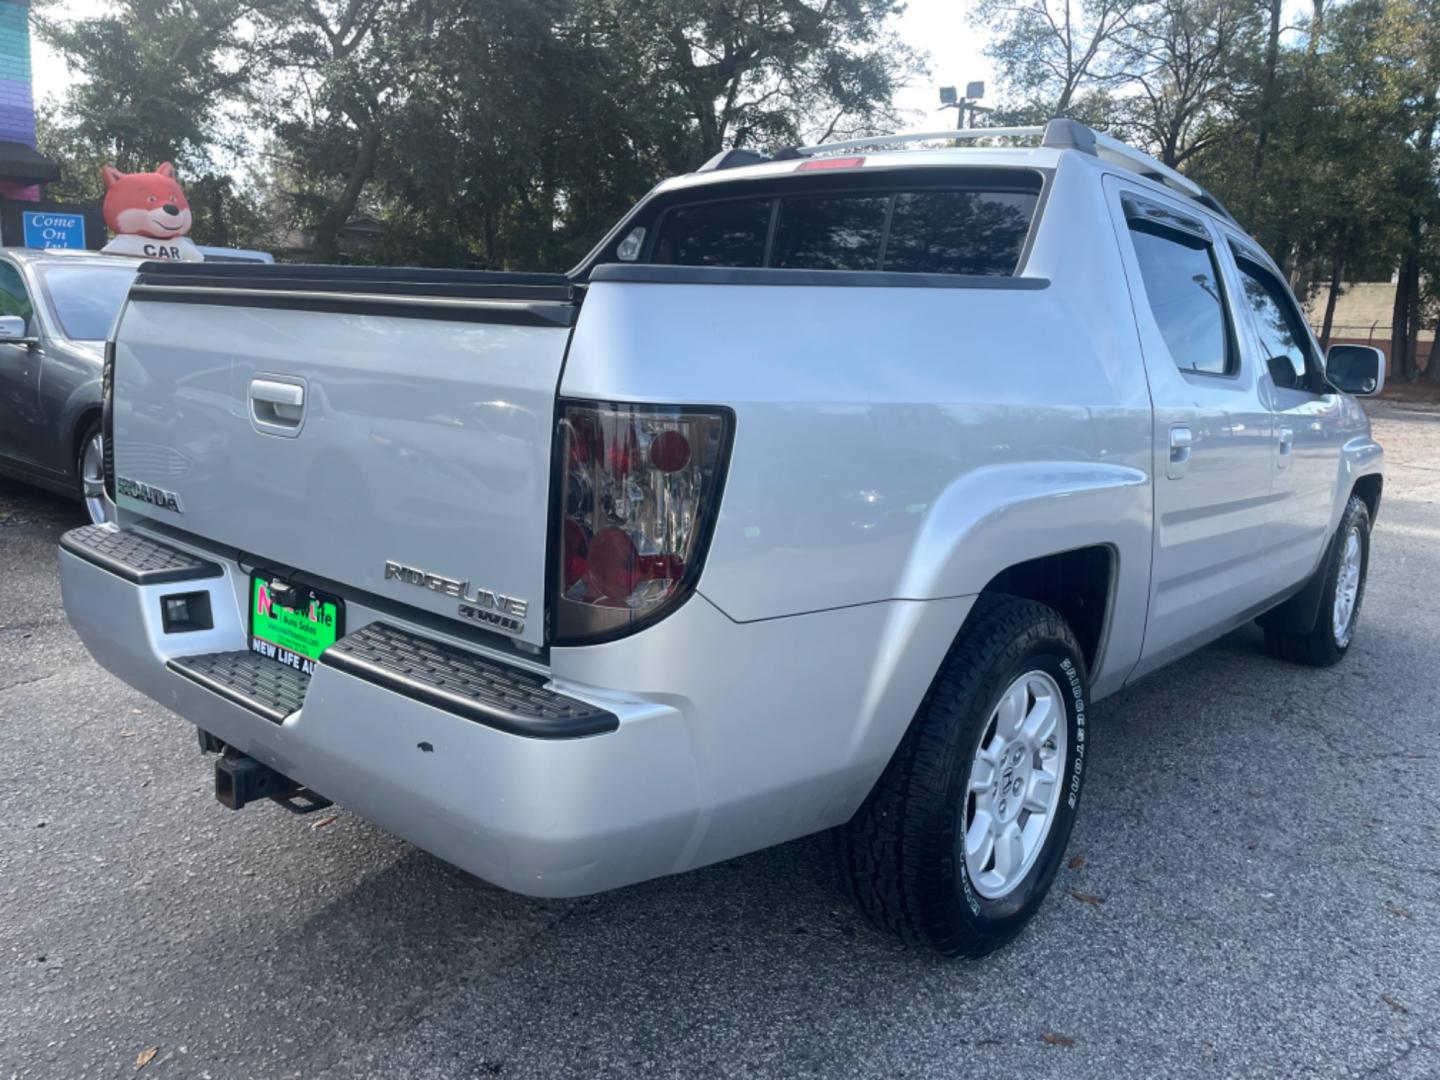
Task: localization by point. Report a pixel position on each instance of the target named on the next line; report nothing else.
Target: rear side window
(918, 232)
(1182, 284)
(959, 232)
(716, 234)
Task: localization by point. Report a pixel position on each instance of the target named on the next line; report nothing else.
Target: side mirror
(1282, 372)
(1356, 369)
(12, 330)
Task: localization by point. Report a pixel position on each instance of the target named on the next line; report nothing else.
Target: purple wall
(17, 103)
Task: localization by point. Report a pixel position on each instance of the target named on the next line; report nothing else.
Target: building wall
(1363, 312)
(17, 103)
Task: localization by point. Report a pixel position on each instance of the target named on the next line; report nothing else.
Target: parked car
(829, 492)
(56, 309)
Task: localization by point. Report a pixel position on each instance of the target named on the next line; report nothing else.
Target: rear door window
(959, 232)
(1182, 285)
(716, 234)
(835, 233)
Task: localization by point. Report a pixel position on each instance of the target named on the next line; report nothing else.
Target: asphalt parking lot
(1254, 889)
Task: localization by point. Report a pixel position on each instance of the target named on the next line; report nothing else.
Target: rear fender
(998, 516)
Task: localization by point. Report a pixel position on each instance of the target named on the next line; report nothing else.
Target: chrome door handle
(1181, 439)
(1287, 446)
(277, 408)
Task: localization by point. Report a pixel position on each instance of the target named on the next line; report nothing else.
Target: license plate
(297, 634)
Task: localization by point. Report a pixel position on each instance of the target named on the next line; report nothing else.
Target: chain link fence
(1376, 334)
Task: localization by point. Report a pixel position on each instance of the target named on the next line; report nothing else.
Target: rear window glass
(716, 234)
(841, 233)
(959, 232)
(918, 232)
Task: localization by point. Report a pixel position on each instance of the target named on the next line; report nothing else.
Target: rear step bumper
(472, 759)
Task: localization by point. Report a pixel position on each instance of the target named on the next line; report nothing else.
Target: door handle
(277, 408)
(1286, 446)
(1181, 439)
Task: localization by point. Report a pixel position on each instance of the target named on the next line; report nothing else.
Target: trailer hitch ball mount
(240, 780)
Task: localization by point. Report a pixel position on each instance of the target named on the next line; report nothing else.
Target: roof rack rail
(959, 134)
(1059, 134)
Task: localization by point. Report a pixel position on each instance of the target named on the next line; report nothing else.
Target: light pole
(951, 99)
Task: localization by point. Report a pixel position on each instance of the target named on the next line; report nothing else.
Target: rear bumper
(547, 817)
(726, 737)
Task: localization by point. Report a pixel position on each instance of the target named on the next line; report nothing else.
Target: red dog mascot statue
(148, 214)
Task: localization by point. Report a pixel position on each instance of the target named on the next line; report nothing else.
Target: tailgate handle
(277, 408)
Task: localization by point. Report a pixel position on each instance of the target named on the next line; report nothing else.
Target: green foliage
(506, 133)
(1322, 140)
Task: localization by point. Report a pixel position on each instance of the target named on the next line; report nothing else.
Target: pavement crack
(30, 682)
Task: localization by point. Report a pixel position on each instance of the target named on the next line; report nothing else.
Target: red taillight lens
(639, 490)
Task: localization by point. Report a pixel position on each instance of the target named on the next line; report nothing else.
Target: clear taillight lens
(639, 490)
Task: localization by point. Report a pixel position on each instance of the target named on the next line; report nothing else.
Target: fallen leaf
(1076, 861)
(1085, 897)
(144, 1057)
(1393, 1003)
(1055, 1039)
(126, 734)
(1396, 910)
(323, 821)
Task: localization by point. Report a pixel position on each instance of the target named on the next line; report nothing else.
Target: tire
(903, 856)
(1345, 567)
(97, 504)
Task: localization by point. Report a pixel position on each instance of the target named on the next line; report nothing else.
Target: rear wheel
(90, 469)
(1340, 598)
(959, 842)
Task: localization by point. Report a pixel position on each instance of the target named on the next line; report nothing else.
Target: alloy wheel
(1014, 788)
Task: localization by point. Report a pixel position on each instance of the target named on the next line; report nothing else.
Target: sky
(937, 27)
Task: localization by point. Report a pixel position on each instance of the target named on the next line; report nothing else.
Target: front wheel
(961, 838)
(1341, 595)
(90, 470)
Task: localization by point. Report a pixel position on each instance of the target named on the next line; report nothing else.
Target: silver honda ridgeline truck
(829, 492)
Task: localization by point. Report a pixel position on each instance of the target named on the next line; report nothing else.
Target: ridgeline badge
(492, 609)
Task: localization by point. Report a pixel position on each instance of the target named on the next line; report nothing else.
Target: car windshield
(85, 299)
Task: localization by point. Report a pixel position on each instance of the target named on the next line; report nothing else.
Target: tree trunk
(219, 231)
(1267, 89)
(327, 232)
(1401, 360)
(1335, 267)
(1432, 365)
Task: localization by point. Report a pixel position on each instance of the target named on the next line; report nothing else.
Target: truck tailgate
(333, 421)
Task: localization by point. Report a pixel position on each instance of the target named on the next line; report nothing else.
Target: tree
(759, 72)
(157, 74)
(1178, 57)
(1051, 52)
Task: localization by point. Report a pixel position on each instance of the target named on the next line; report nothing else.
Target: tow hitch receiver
(240, 780)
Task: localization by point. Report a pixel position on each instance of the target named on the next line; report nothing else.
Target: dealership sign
(45, 229)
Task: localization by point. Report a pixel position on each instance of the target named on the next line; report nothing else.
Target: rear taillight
(639, 491)
(107, 418)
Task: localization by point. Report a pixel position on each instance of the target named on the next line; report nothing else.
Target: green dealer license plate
(297, 632)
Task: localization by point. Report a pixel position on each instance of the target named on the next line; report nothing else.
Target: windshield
(85, 299)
